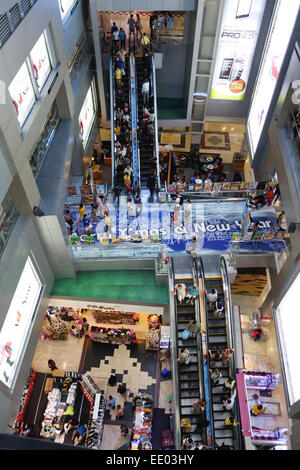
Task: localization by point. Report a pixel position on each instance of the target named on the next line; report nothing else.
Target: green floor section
(134, 286)
(171, 108)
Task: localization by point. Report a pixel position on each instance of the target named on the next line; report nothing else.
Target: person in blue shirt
(79, 434)
(86, 223)
(112, 402)
(122, 36)
(114, 28)
(192, 292)
(118, 63)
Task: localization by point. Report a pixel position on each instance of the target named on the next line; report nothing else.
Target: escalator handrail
(112, 121)
(174, 355)
(156, 144)
(200, 269)
(134, 139)
(229, 322)
(199, 337)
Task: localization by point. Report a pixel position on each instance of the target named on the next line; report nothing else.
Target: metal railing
(174, 355)
(112, 121)
(156, 144)
(206, 366)
(134, 137)
(230, 336)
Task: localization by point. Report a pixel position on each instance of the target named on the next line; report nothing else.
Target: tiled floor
(249, 304)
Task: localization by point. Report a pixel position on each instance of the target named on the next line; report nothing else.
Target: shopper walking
(145, 41)
(112, 402)
(230, 422)
(215, 376)
(229, 384)
(138, 26)
(228, 403)
(131, 24)
(180, 291)
(184, 357)
(119, 412)
(226, 355)
(193, 247)
(151, 183)
(51, 364)
(138, 203)
(145, 91)
(211, 297)
(118, 77)
(194, 327)
(107, 223)
(122, 36)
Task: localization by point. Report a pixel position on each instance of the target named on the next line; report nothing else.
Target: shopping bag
(185, 334)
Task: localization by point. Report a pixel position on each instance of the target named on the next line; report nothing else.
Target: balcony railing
(8, 220)
(46, 136)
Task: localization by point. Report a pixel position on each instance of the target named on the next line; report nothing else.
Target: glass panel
(8, 219)
(65, 8)
(40, 62)
(22, 94)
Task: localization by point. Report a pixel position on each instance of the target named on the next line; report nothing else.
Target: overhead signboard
(18, 323)
(22, 93)
(237, 42)
(87, 115)
(279, 36)
(40, 62)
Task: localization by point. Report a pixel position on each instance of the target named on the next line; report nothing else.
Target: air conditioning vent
(25, 6)
(15, 16)
(5, 31)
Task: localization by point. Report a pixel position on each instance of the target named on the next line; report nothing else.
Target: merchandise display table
(112, 335)
(142, 425)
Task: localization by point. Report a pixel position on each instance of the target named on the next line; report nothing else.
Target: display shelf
(110, 316)
(25, 399)
(112, 335)
(142, 425)
(96, 423)
(268, 381)
(89, 388)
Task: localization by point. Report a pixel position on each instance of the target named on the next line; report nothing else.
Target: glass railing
(78, 60)
(46, 136)
(8, 219)
(116, 251)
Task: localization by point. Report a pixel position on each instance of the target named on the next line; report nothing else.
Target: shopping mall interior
(149, 225)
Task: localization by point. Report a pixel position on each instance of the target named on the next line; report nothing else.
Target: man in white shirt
(145, 91)
(116, 41)
(211, 297)
(180, 290)
(229, 403)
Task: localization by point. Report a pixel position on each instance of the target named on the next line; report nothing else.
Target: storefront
(108, 361)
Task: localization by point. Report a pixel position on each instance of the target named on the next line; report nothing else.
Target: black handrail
(201, 274)
(229, 323)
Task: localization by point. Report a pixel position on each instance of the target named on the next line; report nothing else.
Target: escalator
(117, 176)
(149, 147)
(219, 337)
(189, 377)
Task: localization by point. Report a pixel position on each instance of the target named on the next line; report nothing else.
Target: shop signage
(87, 116)
(18, 323)
(279, 36)
(238, 37)
(22, 93)
(40, 62)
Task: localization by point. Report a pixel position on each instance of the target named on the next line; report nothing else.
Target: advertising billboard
(280, 33)
(238, 37)
(22, 93)
(40, 62)
(289, 324)
(87, 116)
(18, 323)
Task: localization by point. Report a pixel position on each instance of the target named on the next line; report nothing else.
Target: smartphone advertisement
(281, 30)
(238, 37)
(87, 116)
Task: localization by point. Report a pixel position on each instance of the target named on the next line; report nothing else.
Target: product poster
(238, 37)
(22, 94)
(17, 323)
(280, 33)
(86, 116)
(40, 62)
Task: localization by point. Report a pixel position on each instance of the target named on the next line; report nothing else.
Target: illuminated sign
(18, 323)
(22, 94)
(238, 37)
(87, 115)
(40, 62)
(279, 36)
(289, 324)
